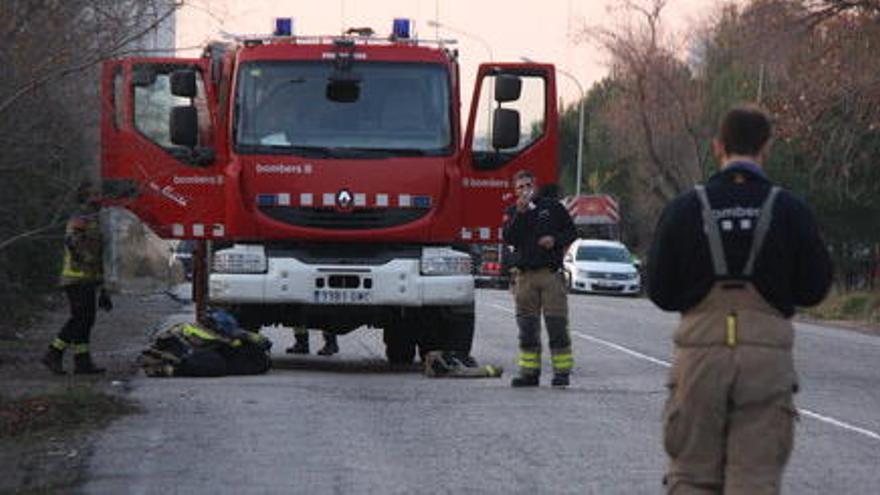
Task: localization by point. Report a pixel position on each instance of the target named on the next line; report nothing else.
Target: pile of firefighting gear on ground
(219, 347)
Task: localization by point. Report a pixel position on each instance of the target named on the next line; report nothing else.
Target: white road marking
(622, 349)
(839, 423)
(805, 412)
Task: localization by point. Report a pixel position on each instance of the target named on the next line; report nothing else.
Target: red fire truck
(336, 171)
(596, 216)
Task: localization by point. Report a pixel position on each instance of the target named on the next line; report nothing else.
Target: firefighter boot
(302, 344)
(330, 346)
(83, 365)
(525, 380)
(560, 380)
(53, 360)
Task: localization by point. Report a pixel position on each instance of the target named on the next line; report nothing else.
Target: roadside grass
(850, 306)
(74, 409)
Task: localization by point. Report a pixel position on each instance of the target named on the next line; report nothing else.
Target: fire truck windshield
(402, 109)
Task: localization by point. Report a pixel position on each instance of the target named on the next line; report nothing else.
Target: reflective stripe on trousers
(530, 361)
(562, 362)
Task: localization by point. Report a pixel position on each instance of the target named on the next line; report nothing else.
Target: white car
(602, 267)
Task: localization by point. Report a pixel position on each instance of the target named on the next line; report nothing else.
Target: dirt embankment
(46, 420)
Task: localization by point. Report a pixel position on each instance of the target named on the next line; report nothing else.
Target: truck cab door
(513, 125)
(158, 145)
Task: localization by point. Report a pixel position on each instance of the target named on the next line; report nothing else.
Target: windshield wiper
(285, 149)
(348, 152)
(335, 152)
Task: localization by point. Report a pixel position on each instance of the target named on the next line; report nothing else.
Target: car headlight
(445, 261)
(241, 259)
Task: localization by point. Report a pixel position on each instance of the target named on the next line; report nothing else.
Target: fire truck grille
(331, 219)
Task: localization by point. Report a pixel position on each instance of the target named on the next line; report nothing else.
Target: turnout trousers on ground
(537, 292)
(728, 423)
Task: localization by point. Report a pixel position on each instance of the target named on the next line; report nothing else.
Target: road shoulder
(48, 423)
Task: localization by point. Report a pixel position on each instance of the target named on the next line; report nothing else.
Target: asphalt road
(348, 424)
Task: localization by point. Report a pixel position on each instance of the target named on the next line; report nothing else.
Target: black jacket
(522, 231)
(792, 269)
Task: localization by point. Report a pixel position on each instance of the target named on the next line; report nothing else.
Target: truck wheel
(400, 346)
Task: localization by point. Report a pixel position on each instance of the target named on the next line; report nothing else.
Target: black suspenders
(716, 247)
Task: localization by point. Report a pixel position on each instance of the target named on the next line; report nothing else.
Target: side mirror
(505, 129)
(184, 126)
(507, 88)
(183, 83)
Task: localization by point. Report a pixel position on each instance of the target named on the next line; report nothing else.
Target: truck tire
(457, 329)
(400, 344)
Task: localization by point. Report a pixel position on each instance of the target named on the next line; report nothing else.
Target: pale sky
(542, 30)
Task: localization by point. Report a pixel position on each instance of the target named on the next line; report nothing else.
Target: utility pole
(580, 152)
(488, 47)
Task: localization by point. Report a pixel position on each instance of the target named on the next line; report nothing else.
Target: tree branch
(41, 81)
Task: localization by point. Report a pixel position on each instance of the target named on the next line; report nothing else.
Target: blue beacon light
(401, 28)
(283, 26)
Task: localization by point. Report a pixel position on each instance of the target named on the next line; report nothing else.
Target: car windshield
(402, 109)
(607, 254)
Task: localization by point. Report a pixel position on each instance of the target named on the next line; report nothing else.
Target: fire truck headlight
(445, 261)
(241, 259)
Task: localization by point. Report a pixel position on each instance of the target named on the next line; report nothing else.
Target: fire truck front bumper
(397, 282)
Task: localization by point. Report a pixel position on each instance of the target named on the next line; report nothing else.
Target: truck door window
(153, 104)
(531, 109)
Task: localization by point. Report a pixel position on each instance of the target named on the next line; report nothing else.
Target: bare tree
(661, 95)
(50, 51)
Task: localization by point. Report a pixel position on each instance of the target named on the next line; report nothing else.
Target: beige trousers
(728, 423)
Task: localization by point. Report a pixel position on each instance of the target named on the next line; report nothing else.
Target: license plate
(607, 286)
(328, 296)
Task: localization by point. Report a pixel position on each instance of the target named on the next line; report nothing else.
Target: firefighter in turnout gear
(81, 277)
(539, 229)
(735, 257)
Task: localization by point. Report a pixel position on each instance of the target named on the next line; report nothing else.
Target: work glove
(104, 301)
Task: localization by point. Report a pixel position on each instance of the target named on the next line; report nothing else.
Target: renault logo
(344, 200)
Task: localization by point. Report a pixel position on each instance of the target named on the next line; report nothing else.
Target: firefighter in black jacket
(734, 257)
(540, 230)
